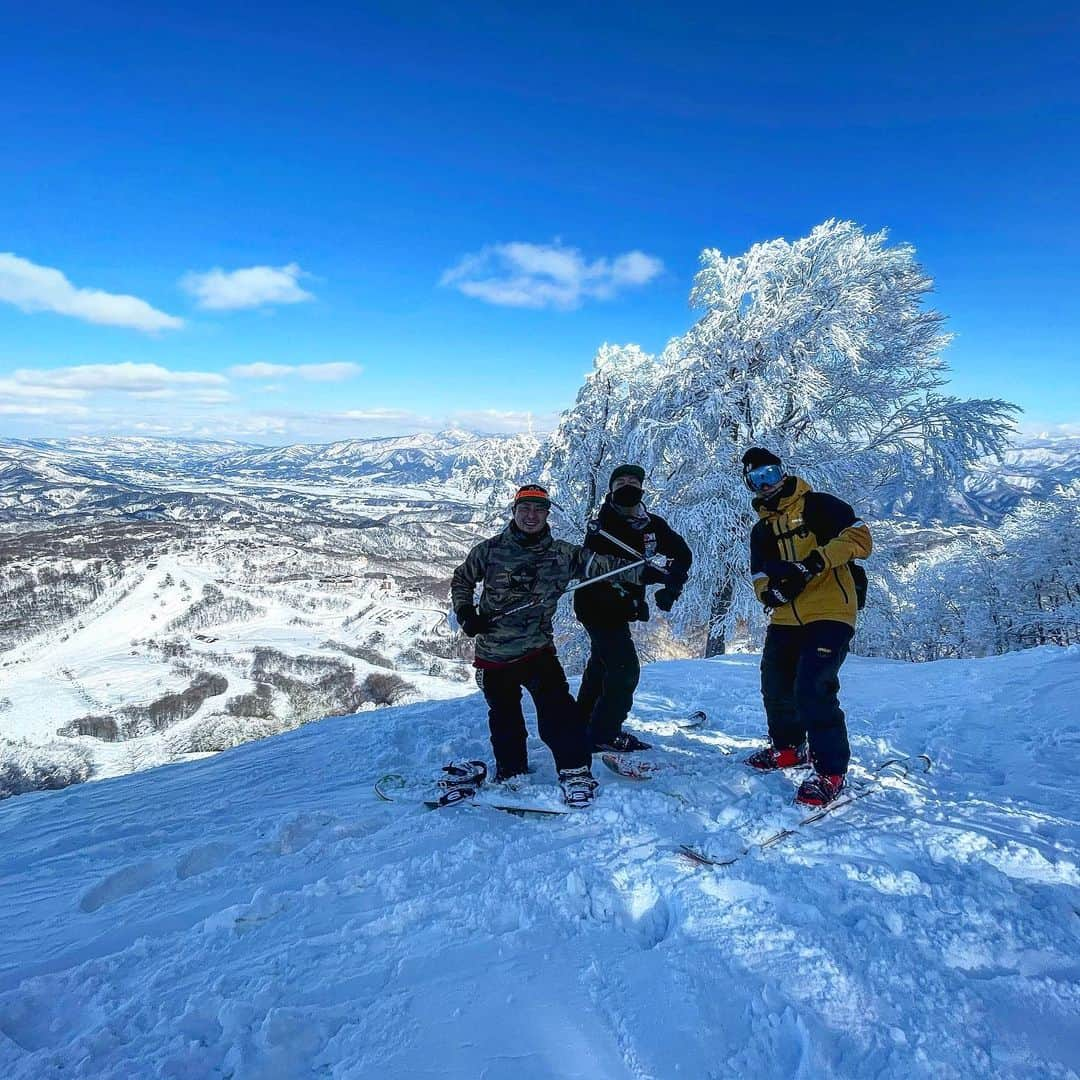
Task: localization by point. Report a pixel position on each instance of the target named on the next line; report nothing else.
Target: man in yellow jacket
(801, 553)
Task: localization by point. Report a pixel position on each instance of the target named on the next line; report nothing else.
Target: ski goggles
(763, 476)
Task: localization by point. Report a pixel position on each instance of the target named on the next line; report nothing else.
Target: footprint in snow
(126, 882)
(202, 859)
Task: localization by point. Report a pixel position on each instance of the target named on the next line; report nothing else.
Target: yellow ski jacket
(802, 521)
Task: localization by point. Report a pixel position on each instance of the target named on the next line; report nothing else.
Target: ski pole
(512, 611)
(496, 617)
(615, 540)
(595, 530)
(572, 588)
(611, 573)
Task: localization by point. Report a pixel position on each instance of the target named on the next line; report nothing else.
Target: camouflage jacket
(517, 569)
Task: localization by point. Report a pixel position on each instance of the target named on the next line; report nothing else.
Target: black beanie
(757, 456)
(627, 470)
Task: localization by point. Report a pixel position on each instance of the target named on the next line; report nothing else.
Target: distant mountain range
(51, 481)
(1032, 470)
(44, 481)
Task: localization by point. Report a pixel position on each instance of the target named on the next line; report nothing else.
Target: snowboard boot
(771, 757)
(820, 790)
(578, 786)
(462, 775)
(623, 743)
(511, 781)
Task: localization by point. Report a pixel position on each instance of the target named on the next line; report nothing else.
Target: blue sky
(345, 158)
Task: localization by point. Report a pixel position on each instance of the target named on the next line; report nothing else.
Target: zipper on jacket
(836, 574)
(795, 612)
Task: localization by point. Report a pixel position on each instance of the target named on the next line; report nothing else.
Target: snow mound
(261, 914)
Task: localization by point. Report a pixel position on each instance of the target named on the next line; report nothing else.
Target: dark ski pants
(558, 720)
(610, 679)
(800, 667)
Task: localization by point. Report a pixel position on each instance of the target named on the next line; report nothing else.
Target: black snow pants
(558, 720)
(610, 679)
(800, 668)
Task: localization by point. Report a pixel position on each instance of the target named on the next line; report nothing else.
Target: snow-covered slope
(261, 915)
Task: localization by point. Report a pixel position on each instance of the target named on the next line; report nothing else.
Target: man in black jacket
(607, 609)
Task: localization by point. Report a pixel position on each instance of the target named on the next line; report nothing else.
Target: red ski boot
(820, 790)
(769, 757)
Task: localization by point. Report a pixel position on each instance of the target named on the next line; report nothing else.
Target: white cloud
(334, 372)
(124, 378)
(255, 286)
(192, 397)
(210, 397)
(9, 388)
(496, 422)
(381, 416)
(26, 409)
(1040, 429)
(260, 371)
(261, 425)
(547, 276)
(41, 288)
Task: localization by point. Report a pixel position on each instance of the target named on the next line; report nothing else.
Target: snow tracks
(261, 914)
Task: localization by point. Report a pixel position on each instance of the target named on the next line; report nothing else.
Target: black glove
(471, 621)
(653, 575)
(774, 598)
(789, 578)
(665, 597)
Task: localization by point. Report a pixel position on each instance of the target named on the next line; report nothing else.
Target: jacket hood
(787, 498)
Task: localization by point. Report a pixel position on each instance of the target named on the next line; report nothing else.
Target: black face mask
(627, 496)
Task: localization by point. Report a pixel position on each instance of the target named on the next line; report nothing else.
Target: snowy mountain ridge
(272, 918)
(54, 478)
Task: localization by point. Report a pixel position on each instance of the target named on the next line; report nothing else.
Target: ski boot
(770, 757)
(578, 786)
(623, 743)
(820, 790)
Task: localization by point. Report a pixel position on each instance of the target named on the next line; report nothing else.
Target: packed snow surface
(261, 914)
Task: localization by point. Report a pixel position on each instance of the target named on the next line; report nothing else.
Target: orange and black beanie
(533, 493)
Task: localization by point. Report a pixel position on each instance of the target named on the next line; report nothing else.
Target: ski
(858, 790)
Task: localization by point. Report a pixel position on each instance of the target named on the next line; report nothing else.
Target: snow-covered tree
(493, 469)
(821, 350)
(1041, 570)
(594, 432)
(990, 591)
